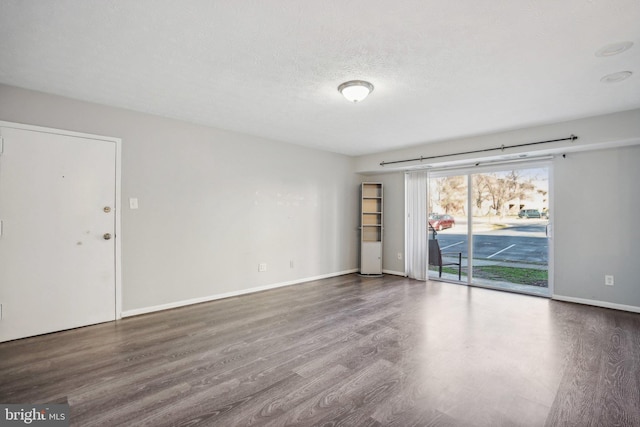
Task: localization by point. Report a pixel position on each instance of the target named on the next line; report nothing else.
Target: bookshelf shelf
(371, 229)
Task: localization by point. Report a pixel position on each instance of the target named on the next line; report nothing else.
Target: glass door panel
(510, 215)
(448, 227)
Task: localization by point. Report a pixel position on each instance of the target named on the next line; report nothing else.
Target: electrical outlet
(608, 280)
(400, 255)
(262, 267)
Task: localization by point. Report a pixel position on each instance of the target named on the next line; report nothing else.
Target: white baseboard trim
(597, 303)
(395, 273)
(145, 310)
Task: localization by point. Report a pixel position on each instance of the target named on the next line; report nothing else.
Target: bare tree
(501, 189)
(492, 190)
(497, 192)
(481, 189)
(517, 187)
(451, 193)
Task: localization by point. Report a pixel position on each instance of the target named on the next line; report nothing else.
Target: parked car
(440, 222)
(529, 213)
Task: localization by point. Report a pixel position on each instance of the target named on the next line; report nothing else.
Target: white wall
(597, 200)
(212, 204)
(594, 132)
(597, 225)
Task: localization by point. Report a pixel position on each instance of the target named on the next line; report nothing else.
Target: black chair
(435, 258)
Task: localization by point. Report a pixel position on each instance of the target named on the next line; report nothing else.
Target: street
(522, 241)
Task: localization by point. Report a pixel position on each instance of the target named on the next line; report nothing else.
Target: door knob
(106, 236)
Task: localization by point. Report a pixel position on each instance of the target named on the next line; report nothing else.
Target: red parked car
(440, 222)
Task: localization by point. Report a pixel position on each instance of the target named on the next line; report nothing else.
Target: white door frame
(117, 197)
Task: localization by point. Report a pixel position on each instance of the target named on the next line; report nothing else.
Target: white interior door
(57, 245)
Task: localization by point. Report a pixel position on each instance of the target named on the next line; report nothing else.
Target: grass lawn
(523, 276)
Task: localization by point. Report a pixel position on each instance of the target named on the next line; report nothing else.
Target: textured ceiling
(441, 69)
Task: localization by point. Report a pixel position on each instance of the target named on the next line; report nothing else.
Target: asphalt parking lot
(517, 241)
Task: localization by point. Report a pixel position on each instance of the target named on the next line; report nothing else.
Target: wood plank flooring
(345, 351)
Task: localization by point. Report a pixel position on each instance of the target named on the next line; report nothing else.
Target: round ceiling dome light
(616, 77)
(614, 49)
(355, 90)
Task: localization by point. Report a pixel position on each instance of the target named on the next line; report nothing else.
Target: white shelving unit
(371, 229)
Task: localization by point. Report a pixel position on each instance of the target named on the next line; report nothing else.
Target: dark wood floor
(346, 351)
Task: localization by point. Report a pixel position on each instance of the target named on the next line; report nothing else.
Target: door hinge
(1, 145)
(0, 228)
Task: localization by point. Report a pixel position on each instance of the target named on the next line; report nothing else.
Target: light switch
(133, 203)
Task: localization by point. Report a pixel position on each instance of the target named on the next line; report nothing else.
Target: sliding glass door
(448, 227)
(491, 227)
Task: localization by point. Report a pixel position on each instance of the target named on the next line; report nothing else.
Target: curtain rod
(501, 148)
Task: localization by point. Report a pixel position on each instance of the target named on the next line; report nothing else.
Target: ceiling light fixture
(616, 77)
(355, 90)
(614, 49)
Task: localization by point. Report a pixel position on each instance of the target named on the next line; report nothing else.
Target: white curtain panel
(416, 234)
